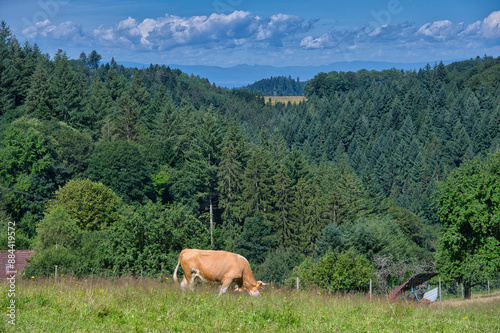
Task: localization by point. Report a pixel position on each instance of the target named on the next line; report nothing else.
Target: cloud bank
(280, 33)
(484, 31)
(164, 33)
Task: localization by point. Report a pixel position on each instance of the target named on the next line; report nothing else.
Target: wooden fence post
(55, 276)
(440, 292)
(297, 284)
(370, 290)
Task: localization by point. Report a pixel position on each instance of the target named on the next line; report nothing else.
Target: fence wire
(449, 288)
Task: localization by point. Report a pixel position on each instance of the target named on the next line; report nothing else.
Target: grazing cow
(217, 266)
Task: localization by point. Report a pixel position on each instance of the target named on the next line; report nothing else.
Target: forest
(278, 86)
(114, 168)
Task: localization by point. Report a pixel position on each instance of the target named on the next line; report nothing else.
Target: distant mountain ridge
(243, 75)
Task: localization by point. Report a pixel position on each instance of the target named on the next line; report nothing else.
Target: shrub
(278, 265)
(92, 205)
(44, 262)
(336, 271)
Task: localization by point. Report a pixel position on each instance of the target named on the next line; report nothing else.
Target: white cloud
(230, 36)
(488, 28)
(332, 39)
(45, 29)
(225, 30)
(491, 25)
(310, 42)
(441, 30)
(406, 35)
(237, 29)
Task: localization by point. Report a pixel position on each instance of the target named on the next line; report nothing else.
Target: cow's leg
(225, 285)
(184, 283)
(187, 281)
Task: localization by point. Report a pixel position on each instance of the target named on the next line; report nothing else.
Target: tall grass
(155, 305)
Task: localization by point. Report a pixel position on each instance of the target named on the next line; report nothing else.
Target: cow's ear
(262, 283)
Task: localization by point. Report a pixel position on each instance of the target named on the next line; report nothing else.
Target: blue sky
(279, 33)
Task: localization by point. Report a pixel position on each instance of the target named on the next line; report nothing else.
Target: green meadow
(156, 305)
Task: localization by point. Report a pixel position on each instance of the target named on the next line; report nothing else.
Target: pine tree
(284, 219)
(230, 172)
(351, 196)
(139, 94)
(156, 106)
(65, 88)
(296, 166)
(257, 184)
(97, 106)
(255, 239)
(39, 100)
(310, 213)
(168, 132)
(114, 84)
(494, 124)
(93, 60)
(128, 125)
(202, 161)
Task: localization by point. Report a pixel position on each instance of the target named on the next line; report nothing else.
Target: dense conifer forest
(108, 167)
(278, 86)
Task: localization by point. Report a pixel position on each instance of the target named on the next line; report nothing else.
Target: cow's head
(254, 290)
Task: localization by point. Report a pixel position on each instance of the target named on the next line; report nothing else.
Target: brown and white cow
(217, 266)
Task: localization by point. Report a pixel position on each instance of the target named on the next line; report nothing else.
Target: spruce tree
(284, 219)
(97, 106)
(128, 125)
(65, 89)
(168, 131)
(202, 161)
(230, 173)
(257, 185)
(39, 100)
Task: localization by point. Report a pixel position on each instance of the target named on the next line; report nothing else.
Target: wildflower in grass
(32, 277)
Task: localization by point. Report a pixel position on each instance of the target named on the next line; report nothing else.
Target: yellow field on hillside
(284, 99)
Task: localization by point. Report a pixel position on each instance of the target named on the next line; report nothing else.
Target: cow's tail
(175, 271)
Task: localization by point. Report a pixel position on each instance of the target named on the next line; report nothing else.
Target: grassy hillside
(146, 305)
